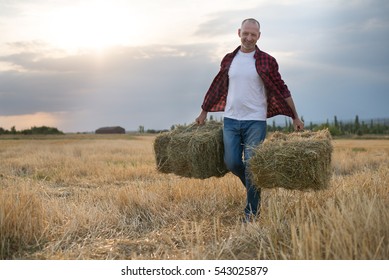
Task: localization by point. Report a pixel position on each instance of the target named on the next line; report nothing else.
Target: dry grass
(102, 198)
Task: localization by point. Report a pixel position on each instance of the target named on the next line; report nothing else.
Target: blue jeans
(240, 137)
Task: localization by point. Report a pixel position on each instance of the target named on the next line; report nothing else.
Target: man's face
(249, 35)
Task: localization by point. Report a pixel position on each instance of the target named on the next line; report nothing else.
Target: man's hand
(200, 120)
(298, 124)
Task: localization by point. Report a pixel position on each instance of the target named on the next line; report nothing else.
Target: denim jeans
(240, 137)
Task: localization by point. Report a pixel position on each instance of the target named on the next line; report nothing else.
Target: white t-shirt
(246, 99)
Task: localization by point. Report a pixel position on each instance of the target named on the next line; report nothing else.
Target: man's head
(249, 34)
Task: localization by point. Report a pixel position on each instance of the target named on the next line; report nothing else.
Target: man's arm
(297, 123)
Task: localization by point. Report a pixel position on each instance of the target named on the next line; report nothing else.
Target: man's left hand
(298, 124)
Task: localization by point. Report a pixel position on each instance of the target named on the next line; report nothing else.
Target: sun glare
(29, 120)
(92, 25)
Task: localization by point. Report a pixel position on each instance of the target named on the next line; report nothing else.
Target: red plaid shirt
(267, 68)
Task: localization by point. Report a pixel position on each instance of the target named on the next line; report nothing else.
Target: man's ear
(239, 32)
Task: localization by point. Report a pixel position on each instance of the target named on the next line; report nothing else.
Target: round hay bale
(192, 151)
(298, 161)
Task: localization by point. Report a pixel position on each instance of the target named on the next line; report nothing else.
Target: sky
(80, 64)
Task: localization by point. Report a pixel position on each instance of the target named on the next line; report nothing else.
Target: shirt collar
(256, 55)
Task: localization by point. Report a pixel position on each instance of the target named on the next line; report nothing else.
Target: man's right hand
(200, 120)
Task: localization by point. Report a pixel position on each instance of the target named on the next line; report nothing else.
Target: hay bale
(298, 161)
(192, 151)
(161, 143)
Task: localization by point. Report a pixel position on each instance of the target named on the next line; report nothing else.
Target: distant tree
(13, 130)
(336, 122)
(41, 130)
(356, 122)
(290, 125)
(357, 126)
(141, 129)
(286, 127)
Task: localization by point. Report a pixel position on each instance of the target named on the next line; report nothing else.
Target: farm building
(110, 130)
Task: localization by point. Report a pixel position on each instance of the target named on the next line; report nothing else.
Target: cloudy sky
(82, 64)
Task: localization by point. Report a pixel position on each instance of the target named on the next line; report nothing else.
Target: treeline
(336, 127)
(340, 128)
(32, 131)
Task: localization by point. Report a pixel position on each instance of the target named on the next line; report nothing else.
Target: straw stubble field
(89, 197)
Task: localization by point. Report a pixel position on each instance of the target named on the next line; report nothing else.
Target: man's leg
(254, 132)
(233, 148)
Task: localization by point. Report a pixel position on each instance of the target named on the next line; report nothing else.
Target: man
(249, 89)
